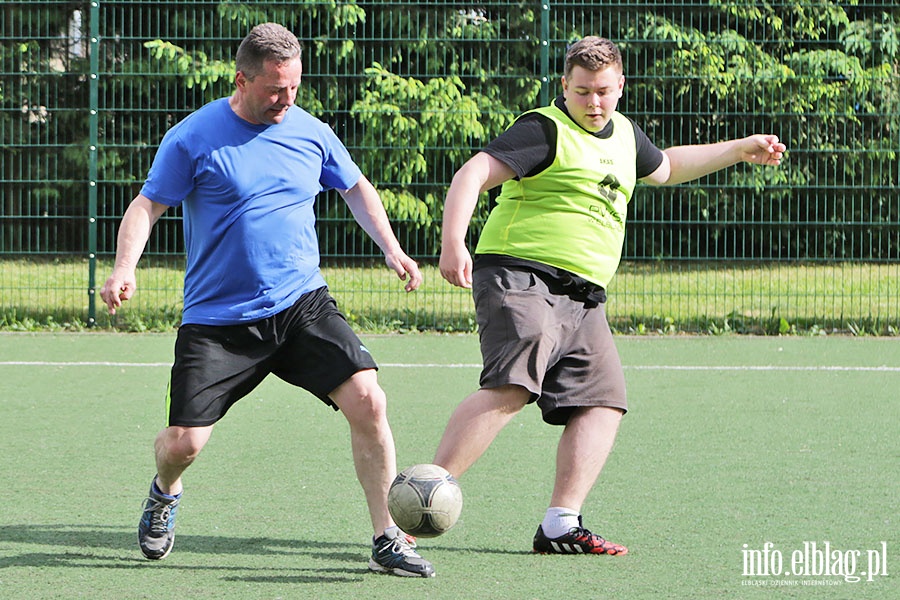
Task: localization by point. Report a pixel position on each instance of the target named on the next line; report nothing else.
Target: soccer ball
(425, 500)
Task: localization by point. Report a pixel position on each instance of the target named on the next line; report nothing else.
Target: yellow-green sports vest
(572, 214)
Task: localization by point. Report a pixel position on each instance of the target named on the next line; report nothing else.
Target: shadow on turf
(78, 546)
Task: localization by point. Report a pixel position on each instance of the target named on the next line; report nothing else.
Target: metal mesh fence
(87, 90)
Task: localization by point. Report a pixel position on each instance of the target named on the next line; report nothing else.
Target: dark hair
(266, 42)
(594, 54)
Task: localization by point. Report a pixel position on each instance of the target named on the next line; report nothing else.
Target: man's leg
(475, 423)
(364, 405)
(583, 448)
(176, 448)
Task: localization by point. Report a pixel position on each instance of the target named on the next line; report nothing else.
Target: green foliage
(415, 123)
(196, 68)
(415, 89)
(414, 127)
(814, 77)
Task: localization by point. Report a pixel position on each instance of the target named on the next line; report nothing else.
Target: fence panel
(87, 90)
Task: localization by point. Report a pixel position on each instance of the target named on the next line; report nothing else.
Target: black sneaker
(391, 553)
(156, 531)
(578, 541)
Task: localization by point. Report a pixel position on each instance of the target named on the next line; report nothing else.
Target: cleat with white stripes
(578, 541)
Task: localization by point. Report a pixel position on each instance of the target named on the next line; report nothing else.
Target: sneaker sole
(376, 568)
(160, 557)
(569, 549)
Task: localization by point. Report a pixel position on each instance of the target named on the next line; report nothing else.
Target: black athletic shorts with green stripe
(309, 345)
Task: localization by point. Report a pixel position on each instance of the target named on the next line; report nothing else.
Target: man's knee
(360, 397)
(182, 444)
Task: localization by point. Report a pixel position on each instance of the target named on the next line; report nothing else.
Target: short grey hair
(266, 42)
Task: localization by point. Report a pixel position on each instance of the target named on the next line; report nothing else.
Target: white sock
(558, 521)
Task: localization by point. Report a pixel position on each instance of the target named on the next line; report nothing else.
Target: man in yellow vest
(542, 264)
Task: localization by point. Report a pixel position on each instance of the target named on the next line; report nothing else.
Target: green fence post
(92, 162)
(545, 53)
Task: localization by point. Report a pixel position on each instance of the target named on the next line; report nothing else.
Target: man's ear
(240, 80)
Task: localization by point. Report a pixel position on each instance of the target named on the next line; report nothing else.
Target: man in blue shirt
(246, 171)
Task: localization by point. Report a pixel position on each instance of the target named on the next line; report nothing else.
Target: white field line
(877, 368)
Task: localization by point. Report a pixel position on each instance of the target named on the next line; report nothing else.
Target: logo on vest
(605, 212)
(606, 217)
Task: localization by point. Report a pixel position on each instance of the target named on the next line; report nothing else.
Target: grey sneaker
(391, 553)
(156, 531)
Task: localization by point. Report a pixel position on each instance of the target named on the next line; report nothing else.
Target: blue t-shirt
(247, 193)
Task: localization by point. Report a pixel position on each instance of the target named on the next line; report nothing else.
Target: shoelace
(400, 546)
(583, 534)
(159, 516)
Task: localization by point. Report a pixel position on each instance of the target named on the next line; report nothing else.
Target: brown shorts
(535, 336)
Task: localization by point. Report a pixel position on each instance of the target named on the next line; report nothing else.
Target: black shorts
(536, 336)
(309, 345)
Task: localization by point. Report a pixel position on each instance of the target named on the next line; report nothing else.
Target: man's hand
(117, 289)
(405, 267)
(763, 150)
(456, 264)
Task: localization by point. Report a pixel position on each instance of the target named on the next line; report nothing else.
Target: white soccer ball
(425, 500)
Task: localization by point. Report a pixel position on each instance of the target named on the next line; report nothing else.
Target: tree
(42, 168)
(822, 76)
(414, 90)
